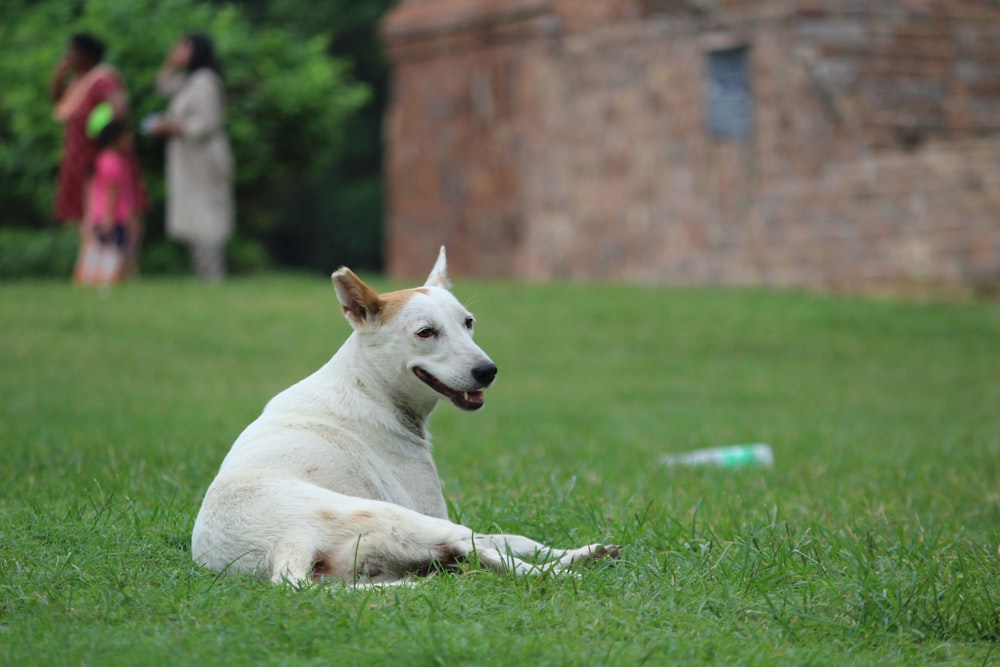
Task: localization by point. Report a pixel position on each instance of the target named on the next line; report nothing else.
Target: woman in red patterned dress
(79, 83)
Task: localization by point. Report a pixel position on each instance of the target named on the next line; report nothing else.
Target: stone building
(828, 144)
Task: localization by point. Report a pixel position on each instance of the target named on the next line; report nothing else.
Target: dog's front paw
(590, 552)
(612, 551)
(602, 551)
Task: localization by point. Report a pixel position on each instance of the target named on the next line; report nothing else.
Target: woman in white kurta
(199, 159)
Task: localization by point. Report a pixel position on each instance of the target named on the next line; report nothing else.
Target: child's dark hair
(110, 133)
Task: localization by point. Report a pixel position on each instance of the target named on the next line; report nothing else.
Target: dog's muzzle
(483, 374)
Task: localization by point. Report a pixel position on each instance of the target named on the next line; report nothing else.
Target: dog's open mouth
(466, 400)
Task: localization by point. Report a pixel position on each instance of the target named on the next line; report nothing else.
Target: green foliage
(244, 255)
(161, 257)
(29, 138)
(26, 253)
(872, 541)
(347, 198)
(288, 99)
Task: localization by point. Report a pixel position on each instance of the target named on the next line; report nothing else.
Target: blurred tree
(337, 217)
(290, 101)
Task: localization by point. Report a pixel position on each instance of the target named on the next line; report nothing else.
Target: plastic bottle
(732, 456)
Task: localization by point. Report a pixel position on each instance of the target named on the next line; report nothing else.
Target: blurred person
(200, 206)
(110, 225)
(80, 83)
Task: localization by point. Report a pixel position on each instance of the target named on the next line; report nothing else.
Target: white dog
(336, 480)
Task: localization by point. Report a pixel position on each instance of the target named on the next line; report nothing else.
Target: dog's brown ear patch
(361, 304)
(393, 302)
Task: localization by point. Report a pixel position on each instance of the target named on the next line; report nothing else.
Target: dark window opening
(730, 105)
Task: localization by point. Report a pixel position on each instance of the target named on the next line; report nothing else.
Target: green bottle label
(737, 456)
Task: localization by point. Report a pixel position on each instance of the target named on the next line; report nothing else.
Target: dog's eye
(427, 332)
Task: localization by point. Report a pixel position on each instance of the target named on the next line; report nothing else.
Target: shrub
(28, 253)
(246, 255)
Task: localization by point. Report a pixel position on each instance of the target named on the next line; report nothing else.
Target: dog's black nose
(484, 373)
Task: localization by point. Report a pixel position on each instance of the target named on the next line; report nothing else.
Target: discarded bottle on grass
(732, 456)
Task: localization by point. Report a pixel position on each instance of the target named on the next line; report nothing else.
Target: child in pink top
(110, 211)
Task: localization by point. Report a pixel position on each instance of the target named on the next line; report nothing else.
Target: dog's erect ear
(439, 274)
(362, 305)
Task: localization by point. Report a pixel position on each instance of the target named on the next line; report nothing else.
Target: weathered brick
(567, 139)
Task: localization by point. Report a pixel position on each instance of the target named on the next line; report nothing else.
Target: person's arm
(57, 84)
(170, 78)
(169, 81)
(208, 112)
(107, 225)
(166, 127)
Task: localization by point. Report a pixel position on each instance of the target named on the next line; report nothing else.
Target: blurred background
(830, 144)
(306, 88)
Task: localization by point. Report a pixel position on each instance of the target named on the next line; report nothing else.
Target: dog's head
(420, 338)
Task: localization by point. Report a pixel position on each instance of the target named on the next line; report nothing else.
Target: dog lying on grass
(335, 479)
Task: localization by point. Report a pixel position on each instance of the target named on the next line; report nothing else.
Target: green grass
(872, 541)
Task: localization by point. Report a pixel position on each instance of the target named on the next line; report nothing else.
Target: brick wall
(567, 139)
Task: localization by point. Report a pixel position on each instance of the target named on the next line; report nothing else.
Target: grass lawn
(872, 541)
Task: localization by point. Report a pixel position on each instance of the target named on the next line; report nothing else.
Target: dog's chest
(399, 476)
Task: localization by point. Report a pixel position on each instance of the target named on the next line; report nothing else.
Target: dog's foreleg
(586, 553)
(522, 547)
(518, 545)
(506, 562)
